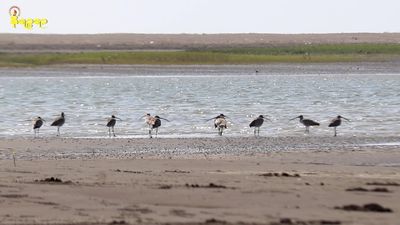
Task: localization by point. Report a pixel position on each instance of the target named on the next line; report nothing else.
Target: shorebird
(306, 122)
(58, 122)
(154, 122)
(336, 122)
(257, 123)
(37, 123)
(219, 123)
(111, 123)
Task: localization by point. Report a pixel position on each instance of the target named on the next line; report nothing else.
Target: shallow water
(372, 103)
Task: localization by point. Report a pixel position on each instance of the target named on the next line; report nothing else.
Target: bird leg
(58, 131)
(335, 131)
(258, 131)
(156, 132)
(307, 130)
(109, 131)
(255, 131)
(150, 129)
(113, 131)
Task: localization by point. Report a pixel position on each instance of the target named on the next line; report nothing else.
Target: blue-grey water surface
(371, 102)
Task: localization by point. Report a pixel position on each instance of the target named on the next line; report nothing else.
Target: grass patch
(287, 54)
(321, 49)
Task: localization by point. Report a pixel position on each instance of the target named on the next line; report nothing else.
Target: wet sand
(351, 68)
(52, 148)
(291, 180)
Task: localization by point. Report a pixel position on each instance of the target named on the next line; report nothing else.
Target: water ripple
(371, 102)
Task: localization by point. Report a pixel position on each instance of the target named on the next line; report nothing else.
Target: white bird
(220, 123)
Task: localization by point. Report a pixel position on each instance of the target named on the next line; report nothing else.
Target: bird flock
(154, 123)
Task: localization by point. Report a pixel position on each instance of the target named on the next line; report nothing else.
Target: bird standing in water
(336, 122)
(58, 122)
(37, 124)
(220, 123)
(154, 122)
(306, 122)
(111, 123)
(257, 123)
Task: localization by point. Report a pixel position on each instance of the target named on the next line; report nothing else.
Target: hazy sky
(206, 16)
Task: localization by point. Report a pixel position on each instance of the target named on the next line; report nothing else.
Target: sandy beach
(300, 180)
(291, 180)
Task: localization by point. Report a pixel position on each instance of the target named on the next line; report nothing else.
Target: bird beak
(164, 119)
(118, 118)
(211, 119)
(294, 118)
(44, 120)
(142, 117)
(266, 118)
(346, 119)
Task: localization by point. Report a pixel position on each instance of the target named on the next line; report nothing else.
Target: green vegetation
(288, 54)
(322, 49)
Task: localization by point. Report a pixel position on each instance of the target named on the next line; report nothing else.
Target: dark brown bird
(336, 122)
(111, 123)
(58, 122)
(257, 123)
(220, 123)
(156, 124)
(306, 122)
(37, 124)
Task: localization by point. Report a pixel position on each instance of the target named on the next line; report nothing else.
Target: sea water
(371, 102)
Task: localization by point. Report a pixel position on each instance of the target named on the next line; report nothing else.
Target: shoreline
(133, 148)
(348, 68)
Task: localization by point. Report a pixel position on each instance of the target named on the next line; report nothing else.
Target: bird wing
(253, 123)
(111, 122)
(257, 122)
(335, 123)
(55, 122)
(157, 123)
(58, 121)
(309, 122)
(37, 123)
